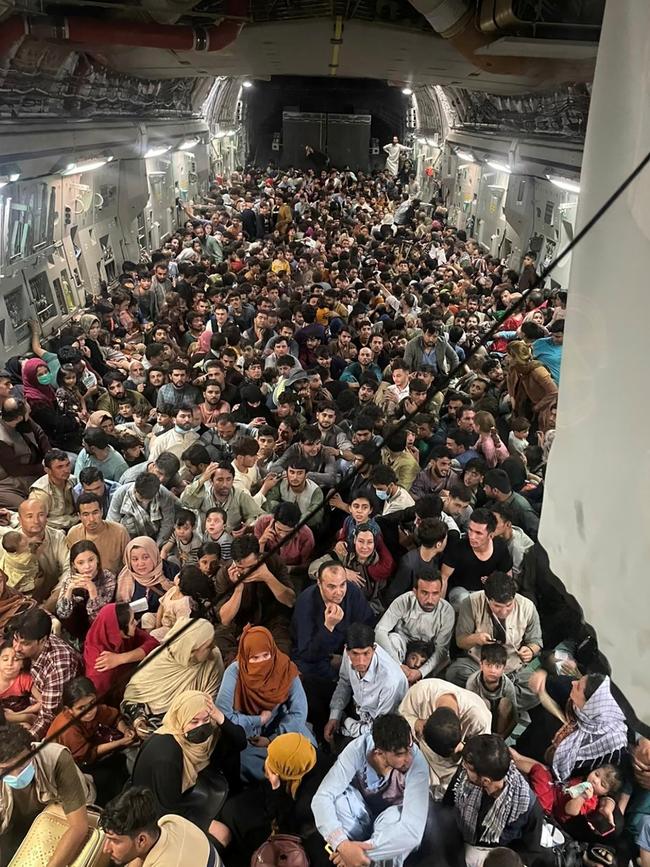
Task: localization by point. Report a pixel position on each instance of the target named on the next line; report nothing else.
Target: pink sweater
(493, 455)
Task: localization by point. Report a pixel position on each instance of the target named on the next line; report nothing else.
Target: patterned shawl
(601, 728)
(513, 801)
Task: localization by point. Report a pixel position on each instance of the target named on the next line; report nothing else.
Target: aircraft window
(42, 298)
(32, 216)
(18, 312)
(108, 258)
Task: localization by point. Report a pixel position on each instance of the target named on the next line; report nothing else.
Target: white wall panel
(596, 514)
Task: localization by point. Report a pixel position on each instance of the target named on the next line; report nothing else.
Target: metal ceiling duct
(168, 11)
(92, 31)
(455, 21)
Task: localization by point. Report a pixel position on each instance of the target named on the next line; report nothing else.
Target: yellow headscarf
(181, 712)
(173, 670)
(291, 756)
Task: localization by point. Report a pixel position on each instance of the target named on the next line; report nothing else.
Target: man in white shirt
(443, 716)
(371, 677)
(419, 615)
(180, 437)
(395, 393)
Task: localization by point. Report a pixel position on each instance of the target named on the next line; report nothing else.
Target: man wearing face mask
(180, 437)
(23, 445)
(29, 783)
(393, 497)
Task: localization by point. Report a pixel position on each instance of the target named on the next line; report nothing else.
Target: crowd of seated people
(269, 559)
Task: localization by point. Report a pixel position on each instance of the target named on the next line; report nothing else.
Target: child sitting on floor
(209, 558)
(591, 797)
(215, 531)
(497, 691)
(174, 604)
(417, 653)
(183, 545)
(360, 511)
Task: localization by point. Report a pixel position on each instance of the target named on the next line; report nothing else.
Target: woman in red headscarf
(62, 428)
(113, 647)
(261, 692)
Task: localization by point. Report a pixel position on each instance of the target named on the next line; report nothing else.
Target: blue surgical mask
(181, 430)
(21, 780)
(381, 495)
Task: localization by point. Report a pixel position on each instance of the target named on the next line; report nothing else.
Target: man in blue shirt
(373, 803)
(548, 350)
(321, 617)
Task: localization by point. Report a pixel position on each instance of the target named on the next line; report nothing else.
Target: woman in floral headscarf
(145, 575)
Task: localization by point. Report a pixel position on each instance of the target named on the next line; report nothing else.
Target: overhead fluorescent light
(157, 151)
(500, 167)
(463, 166)
(189, 143)
(80, 168)
(407, 91)
(466, 156)
(565, 184)
(247, 83)
(7, 177)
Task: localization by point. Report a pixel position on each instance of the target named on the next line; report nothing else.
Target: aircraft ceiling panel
(303, 48)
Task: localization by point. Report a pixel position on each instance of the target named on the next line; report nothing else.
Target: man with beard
(364, 366)
(438, 476)
(419, 615)
(23, 445)
(180, 437)
(110, 401)
(335, 441)
(430, 348)
(215, 487)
